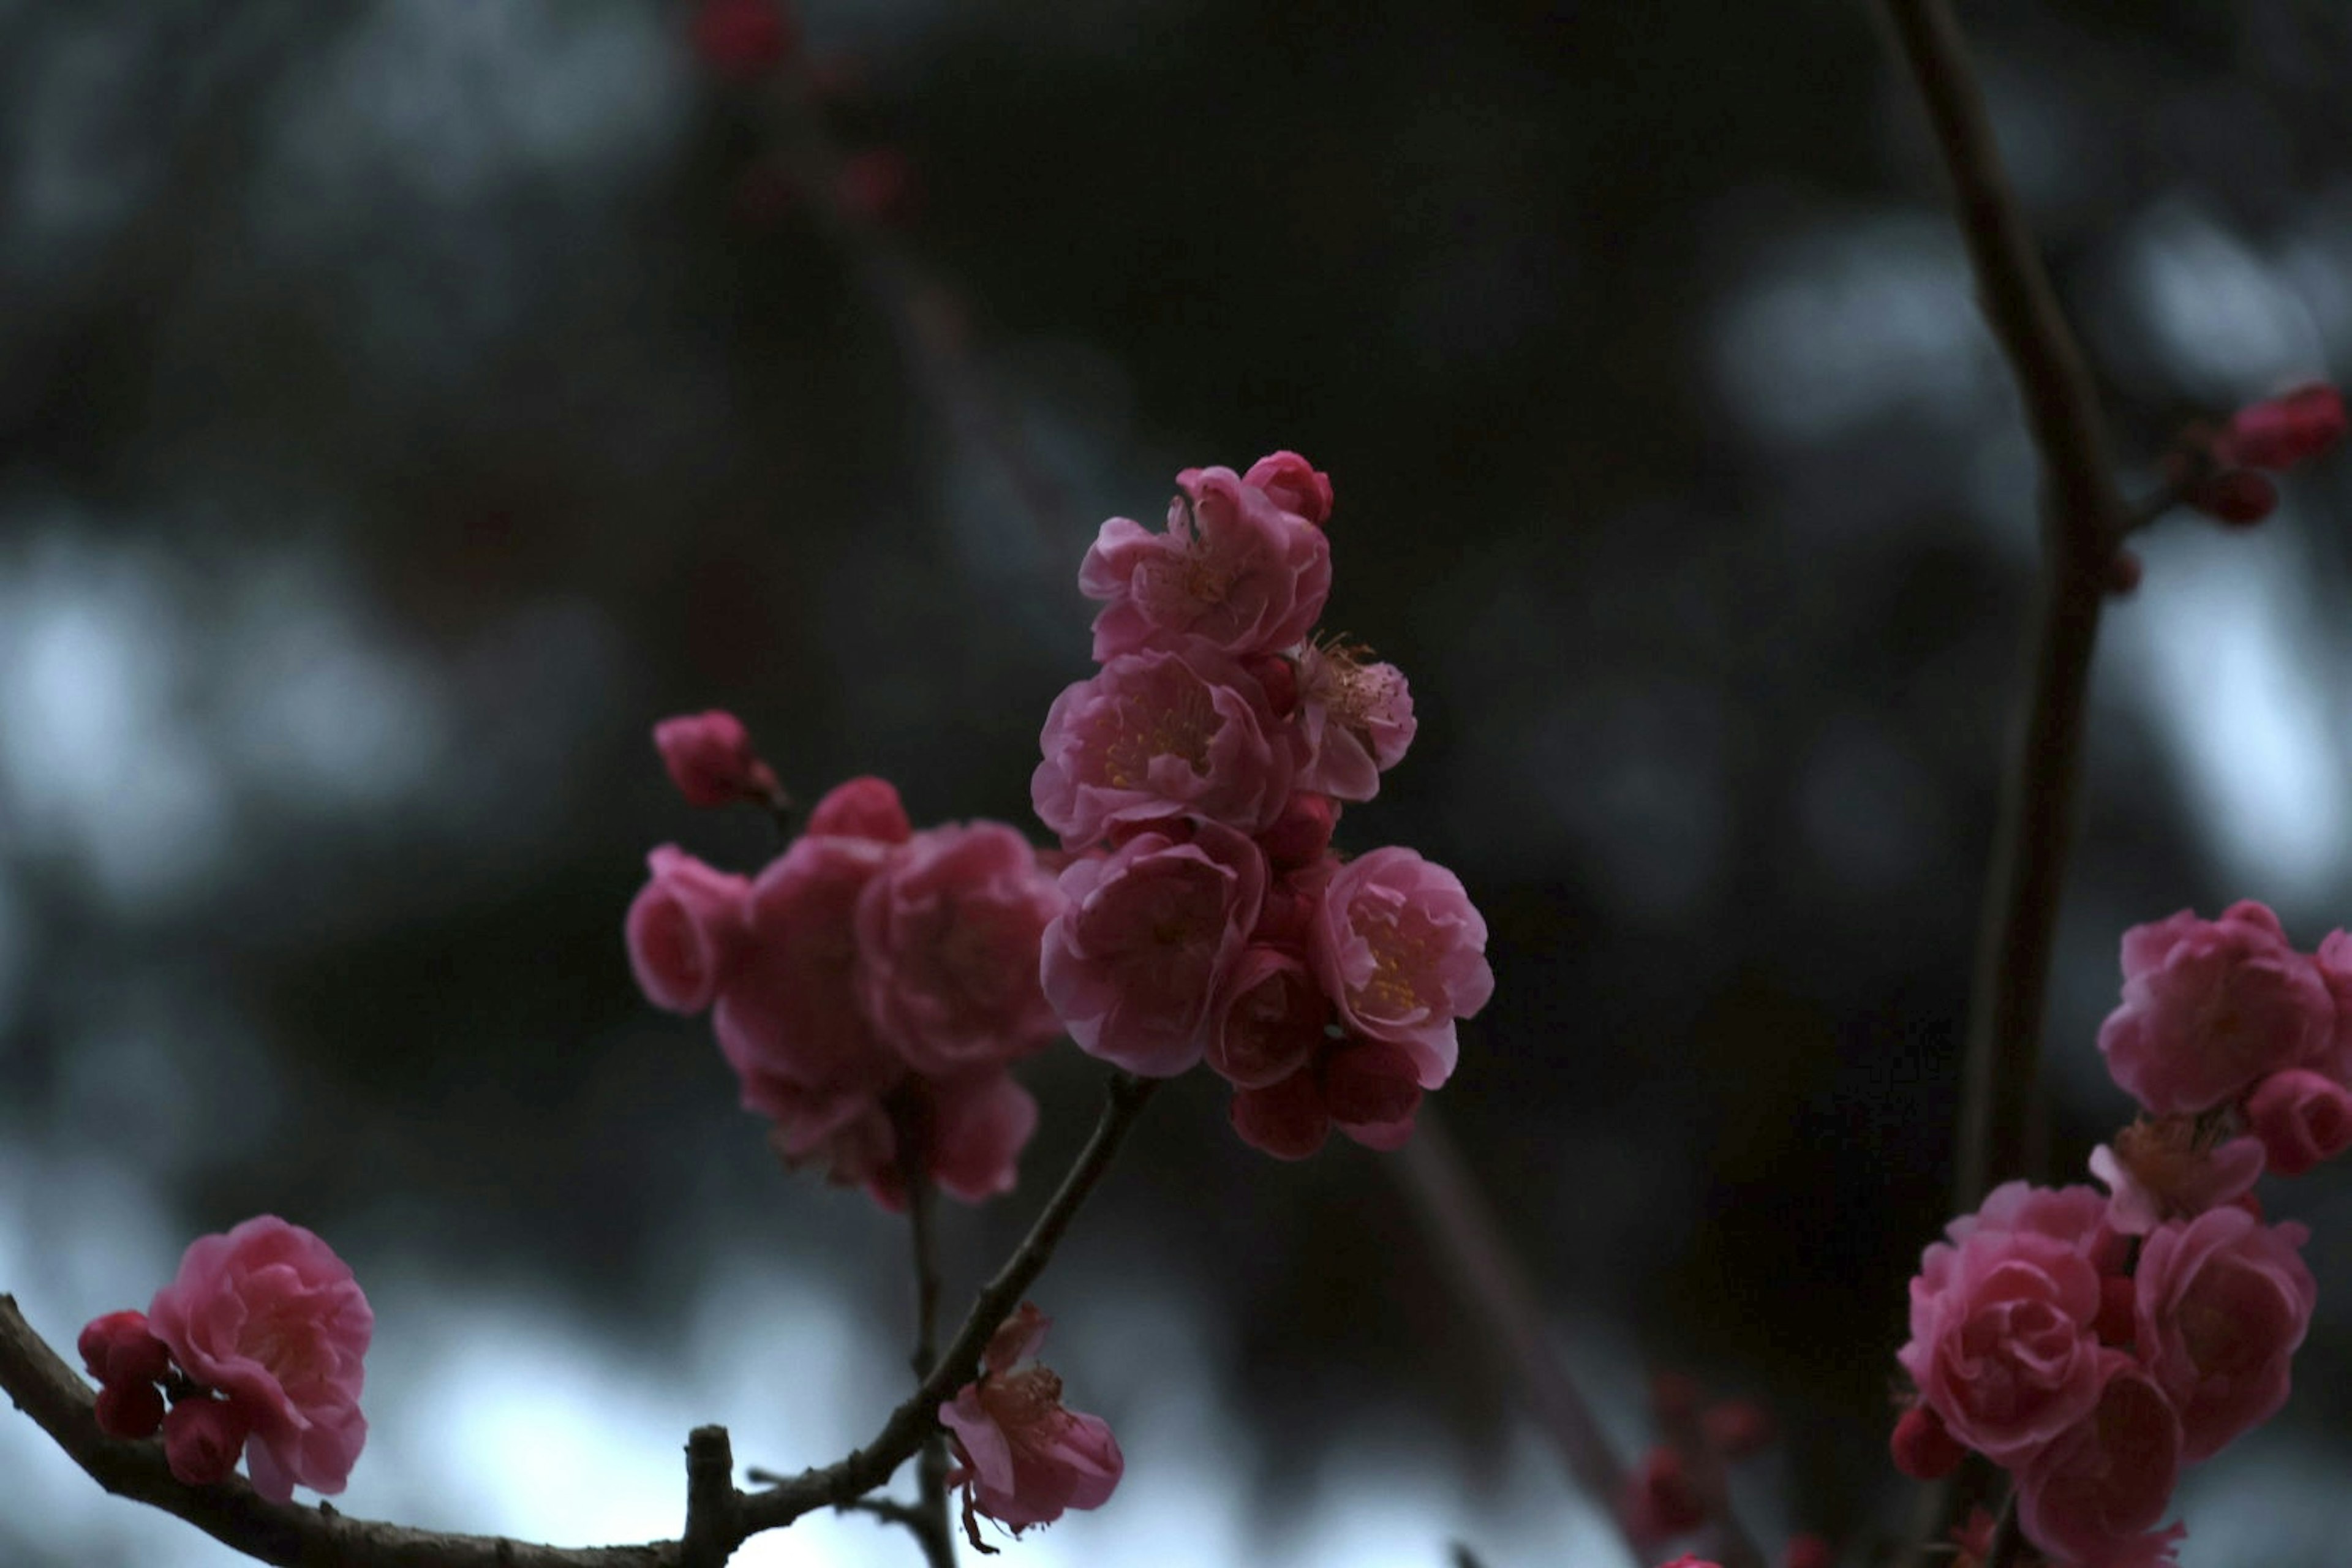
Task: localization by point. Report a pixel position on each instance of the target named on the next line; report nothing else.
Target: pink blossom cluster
(1196, 777)
(871, 983)
(1022, 1457)
(257, 1344)
(2095, 1344)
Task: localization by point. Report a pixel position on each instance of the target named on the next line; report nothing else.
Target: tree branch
(2084, 522)
(718, 1517)
(929, 1521)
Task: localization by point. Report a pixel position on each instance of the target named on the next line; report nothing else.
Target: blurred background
(403, 402)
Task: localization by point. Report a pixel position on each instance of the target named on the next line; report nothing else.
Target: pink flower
(1270, 1019)
(789, 1020)
(1234, 570)
(865, 808)
(2168, 1169)
(2223, 1303)
(974, 1129)
(979, 1126)
(685, 928)
(2301, 1119)
(2094, 1494)
(1359, 720)
(948, 940)
(710, 760)
(1022, 1457)
(1402, 953)
(269, 1316)
(2003, 1344)
(1294, 484)
(2208, 1006)
(1134, 962)
(1160, 733)
(2283, 431)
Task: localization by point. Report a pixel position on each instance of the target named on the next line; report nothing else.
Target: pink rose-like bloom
(1294, 484)
(2208, 1006)
(685, 928)
(1023, 1458)
(2161, 1169)
(710, 760)
(2301, 1119)
(1162, 733)
(269, 1316)
(2003, 1344)
(2094, 1495)
(866, 807)
(1359, 721)
(2283, 431)
(1233, 569)
(948, 940)
(1135, 959)
(2223, 1302)
(788, 1019)
(1400, 951)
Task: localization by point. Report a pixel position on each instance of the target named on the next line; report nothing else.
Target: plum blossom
(947, 934)
(1294, 484)
(2003, 1344)
(2223, 1302)
(1359, 720)
(2210, 1007)
(685, 930)
(2171, 1169)
(1022, 1457)
(1135, 960)
(710, 760)
(1400, 951)
(1159, 733)
(2301, 1119)
(1233, 569)
(2094, 1493)
(270, 1319)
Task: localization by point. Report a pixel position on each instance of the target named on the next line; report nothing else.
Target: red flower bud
(2281, 432)
(132, 1410)
(1924, 1450)
(118, 1349)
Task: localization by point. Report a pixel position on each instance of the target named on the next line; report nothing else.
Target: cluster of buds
(1197, 777)
(2095, 1344)
(871, 986)
(2225, 473)
(1680, 1485)
(257, 1344)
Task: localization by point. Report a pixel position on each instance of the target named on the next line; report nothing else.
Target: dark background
(403, 404)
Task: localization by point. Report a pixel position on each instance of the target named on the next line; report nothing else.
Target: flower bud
(2301, 1119)
(710, 760)
(132, 1410)
(203, 1440)
(118, 1349)
(1924, 1449)
(2281, 432)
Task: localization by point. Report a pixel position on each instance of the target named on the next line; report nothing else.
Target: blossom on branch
(1022, 1457)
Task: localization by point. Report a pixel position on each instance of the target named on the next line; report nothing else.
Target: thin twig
(42, 1386)
(2084, 521)
(1457, 1222)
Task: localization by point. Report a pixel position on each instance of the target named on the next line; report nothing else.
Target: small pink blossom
(202, 1439)
(1022, 1458)
(948, 938)
(1270, 1019)
(1359, 720)
(2302, 1120)
(269, 1317)
(2168, 1169)
(864, 807)
(1233, 569)
(2208, 1006)
(685, 928)
(1294, 484)
(710, 760)
(2094, 1493)
(1400, 951)
(2223, 1302)
(1160, 733)
(1134, 962)
(788, 1019)
(2282, 432)
(2003, 1345)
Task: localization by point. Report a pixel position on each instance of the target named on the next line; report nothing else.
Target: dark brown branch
(904, 1432)
(45, 1388)
(712, 1532)
(2085, 521)
(930, 1523)
(1460, 1226)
